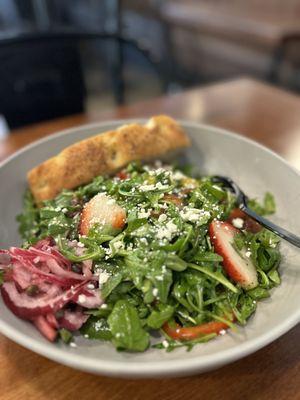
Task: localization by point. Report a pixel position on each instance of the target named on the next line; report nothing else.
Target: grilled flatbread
(105, 154)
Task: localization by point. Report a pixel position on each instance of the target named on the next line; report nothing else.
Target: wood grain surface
(266, 114)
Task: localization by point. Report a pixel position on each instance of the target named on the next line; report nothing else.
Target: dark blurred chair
(39, 80)
(41, 75)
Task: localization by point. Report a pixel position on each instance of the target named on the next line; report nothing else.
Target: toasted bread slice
(105, 154)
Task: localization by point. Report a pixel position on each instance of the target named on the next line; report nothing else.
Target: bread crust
(105, 154)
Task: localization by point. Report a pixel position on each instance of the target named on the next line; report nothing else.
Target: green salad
(172, 260)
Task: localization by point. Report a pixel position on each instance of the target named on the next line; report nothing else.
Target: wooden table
(261, 112)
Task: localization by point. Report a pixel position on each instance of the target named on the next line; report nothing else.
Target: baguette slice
(105, 154)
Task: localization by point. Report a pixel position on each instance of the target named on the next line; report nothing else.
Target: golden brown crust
(105, 154)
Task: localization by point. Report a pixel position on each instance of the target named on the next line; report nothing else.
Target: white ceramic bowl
(214, 151)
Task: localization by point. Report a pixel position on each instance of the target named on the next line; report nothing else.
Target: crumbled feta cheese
(194, 214)
(248, 254)
(98, 325)
(165, 343)
(91, 286)
(167, 231)
(104, 306)
(103, 277)
(222, 332)
(143, 213)
(81, 298)
(155, 292)
(108, 251)
(238, 223)
(72, 344)
(162, 218)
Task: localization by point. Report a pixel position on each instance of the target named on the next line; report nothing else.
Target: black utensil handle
(283, 233)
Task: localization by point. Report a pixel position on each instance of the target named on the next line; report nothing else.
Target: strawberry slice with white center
(240, 268)
(105, 212)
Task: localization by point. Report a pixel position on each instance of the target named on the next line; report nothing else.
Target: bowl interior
(214, 151)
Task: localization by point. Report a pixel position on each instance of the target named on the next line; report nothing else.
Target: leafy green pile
(161, 267)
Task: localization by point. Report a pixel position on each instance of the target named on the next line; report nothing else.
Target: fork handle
(283, 233)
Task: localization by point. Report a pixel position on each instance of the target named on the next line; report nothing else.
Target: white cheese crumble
(103, 277)
(81, 298)
(248, 254)
(155, 292)
(143, 213)
(167, 231)
(165, 343)
(72, 344)
(91, 286)
(157, 186)
(238, 223)
(193, 214)
(162, 218)
(222, 332)
(98, 325)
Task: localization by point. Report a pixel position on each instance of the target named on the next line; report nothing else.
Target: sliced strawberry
(194, 332)
(241, 220)
(240, 269)
(104, 211)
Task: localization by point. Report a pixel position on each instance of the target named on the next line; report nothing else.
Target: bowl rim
(166, 367)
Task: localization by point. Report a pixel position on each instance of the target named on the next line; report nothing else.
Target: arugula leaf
(268, 206)
(274, 276)
(96, 328)
(207, 257)
(112, 282)
(93, 251)
(126, 328)
(158, 317)
(65, 335)
(217, 275)
(258, 293)
(29, 219)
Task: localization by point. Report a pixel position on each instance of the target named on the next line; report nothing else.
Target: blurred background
(63, 57)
